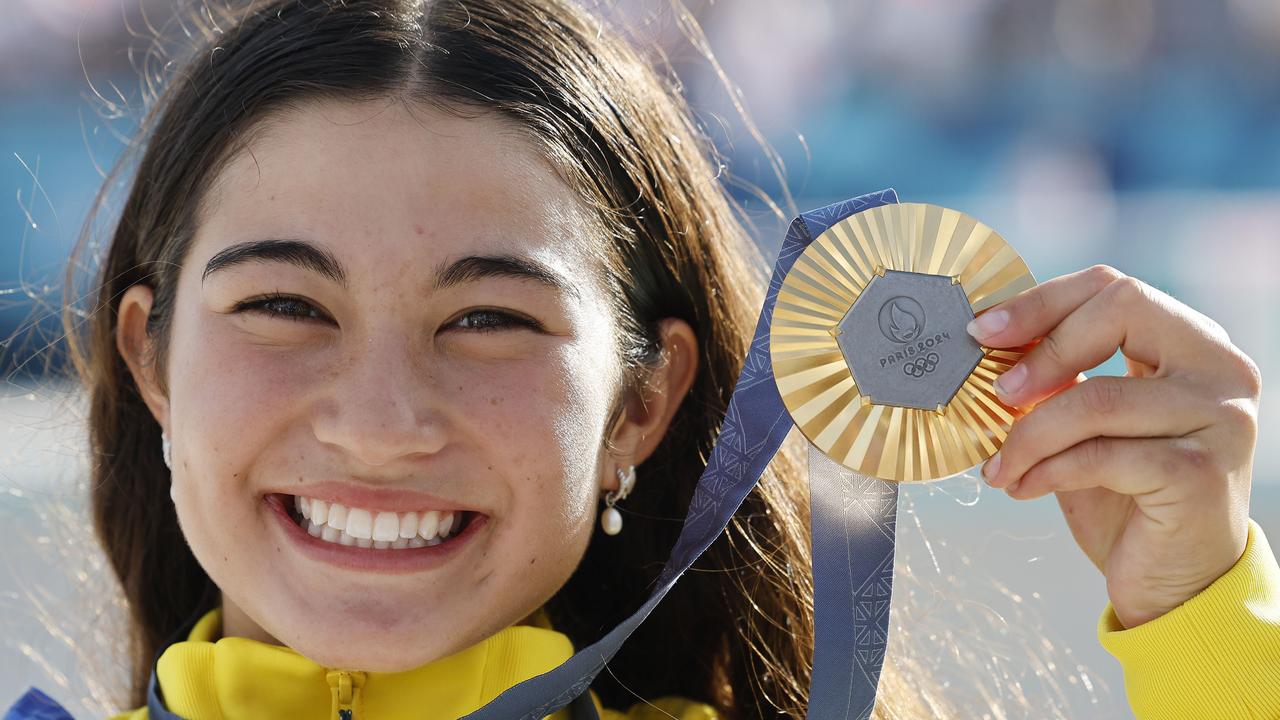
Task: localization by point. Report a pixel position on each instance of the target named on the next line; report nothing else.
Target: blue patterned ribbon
(853, 521)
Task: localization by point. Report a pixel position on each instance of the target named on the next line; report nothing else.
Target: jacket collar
(208, 677)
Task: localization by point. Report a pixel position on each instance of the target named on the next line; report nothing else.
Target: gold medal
(869, 346)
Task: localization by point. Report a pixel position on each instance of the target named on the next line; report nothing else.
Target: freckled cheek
(229, 403)
(544, 433)
(233, 406)
(235, 393)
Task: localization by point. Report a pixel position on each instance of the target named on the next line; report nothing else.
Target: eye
(295, 308)
(487, 320)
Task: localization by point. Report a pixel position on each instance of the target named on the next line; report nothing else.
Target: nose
(379, 407)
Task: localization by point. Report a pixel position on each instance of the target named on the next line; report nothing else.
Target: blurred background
(1129, 132)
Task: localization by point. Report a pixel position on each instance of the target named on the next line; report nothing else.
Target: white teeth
(409, 525)
(360, 524)
(386, 527)
(428, 525)
(337, 523)
(338, 516)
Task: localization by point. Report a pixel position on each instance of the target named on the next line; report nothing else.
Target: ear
(649, 410)
(136, 347)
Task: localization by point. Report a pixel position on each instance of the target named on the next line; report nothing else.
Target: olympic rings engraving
(921, 366)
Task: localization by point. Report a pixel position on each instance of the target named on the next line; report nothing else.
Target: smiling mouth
(379, 530)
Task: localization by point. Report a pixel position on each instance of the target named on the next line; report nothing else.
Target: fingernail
(988, 323)
(991, 468)
(1009, 383)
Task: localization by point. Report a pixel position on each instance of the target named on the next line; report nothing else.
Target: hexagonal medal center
(905, 342)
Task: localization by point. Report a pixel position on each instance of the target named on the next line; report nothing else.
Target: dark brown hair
(736, 631)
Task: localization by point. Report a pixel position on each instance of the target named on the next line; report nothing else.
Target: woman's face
(410, 386)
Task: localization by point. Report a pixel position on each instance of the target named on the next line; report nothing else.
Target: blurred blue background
(1140, 134)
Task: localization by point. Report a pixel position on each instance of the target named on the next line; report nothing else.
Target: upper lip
(385, 499)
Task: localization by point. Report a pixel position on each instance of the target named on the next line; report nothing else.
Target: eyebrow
(313, 258)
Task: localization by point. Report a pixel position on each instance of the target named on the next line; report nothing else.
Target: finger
(1099, 406)
(1034, 312)
(1131, 466)
(1144, 323)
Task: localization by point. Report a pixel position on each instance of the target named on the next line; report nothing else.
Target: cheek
(542, 428)
(227, 399)
(543, 423)
(226, 406)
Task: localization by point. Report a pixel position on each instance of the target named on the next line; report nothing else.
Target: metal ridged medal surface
(816, 331)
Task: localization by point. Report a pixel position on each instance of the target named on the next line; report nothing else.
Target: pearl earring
(168, 461)
(611, 519)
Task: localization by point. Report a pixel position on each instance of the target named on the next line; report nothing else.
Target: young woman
(403, 290)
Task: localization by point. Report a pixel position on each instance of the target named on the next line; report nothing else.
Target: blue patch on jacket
(35, 705)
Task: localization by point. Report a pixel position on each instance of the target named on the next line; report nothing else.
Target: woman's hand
(1151, 470)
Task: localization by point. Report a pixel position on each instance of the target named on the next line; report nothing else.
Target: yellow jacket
(206, 678)
(1215, 656)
